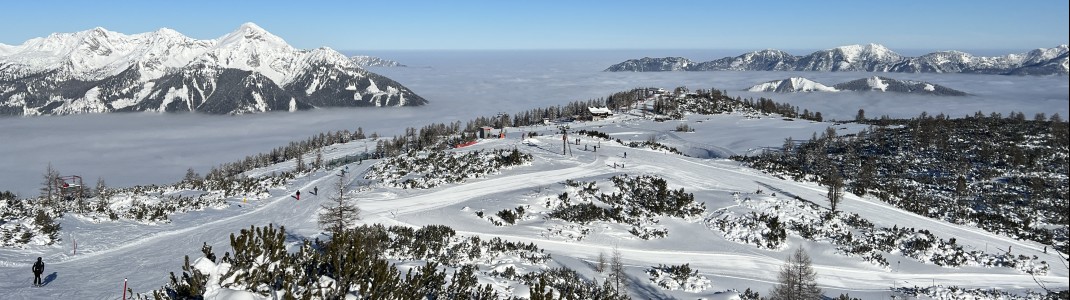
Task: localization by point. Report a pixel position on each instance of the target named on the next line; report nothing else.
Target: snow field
(144, 253)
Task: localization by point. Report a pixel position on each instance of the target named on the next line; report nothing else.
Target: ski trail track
(82, 276)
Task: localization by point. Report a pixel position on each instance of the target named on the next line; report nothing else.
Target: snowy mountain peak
(327, 55)
(854, 53)
(251, 33)
(168, 32)
(98, 32)
(251, 26)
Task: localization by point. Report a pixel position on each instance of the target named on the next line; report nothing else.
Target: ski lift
(69, 187)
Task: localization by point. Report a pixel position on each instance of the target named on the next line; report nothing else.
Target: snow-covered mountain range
(372, 61)
(869, 58)
(246, 71)
(874, 83)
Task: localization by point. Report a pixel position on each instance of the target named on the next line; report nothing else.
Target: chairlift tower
(564, 140)
(69, 187)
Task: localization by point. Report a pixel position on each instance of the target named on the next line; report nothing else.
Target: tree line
(1006, 175)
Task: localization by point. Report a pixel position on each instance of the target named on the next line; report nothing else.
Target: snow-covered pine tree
(797, 279)
(192, 178)
(48, 225)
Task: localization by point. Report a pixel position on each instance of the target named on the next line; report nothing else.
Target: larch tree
(340, 212)
(48, 188)
(616, 269)
(300, 162)
(318, 163)
(797, 279)
(601, 266)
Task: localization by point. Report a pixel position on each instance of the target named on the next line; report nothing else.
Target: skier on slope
(38, 268)
(298, 195)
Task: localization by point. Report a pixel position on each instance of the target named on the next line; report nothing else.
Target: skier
(316, 190)
(298, 195)
(38, 268)
(625, 154)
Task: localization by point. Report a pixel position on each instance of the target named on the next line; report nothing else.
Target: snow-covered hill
(794, 84)
(875, 83)
(246, 71)
(720, 262)
(885, 84)
(869, 58)
(648, 64)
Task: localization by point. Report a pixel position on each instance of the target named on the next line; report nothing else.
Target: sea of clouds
(147, 148)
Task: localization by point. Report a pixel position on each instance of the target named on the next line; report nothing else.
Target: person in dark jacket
(38, 268)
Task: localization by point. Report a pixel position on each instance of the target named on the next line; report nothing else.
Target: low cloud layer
(145, 148)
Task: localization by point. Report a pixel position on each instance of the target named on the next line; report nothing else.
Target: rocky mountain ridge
(866, 58)
(868, 84)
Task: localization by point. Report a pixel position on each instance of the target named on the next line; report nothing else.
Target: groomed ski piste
(109, 252)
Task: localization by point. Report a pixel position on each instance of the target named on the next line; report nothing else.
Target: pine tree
(797, 279)
(339, 213)
(192, 178)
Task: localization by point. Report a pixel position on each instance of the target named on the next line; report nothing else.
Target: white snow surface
(875, 83)
(144, 254)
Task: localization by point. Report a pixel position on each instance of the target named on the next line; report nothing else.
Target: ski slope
(144, 254)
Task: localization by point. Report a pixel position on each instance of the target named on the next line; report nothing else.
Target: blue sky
(576, 24)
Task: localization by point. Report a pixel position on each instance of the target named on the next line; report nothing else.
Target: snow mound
(681, 278)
